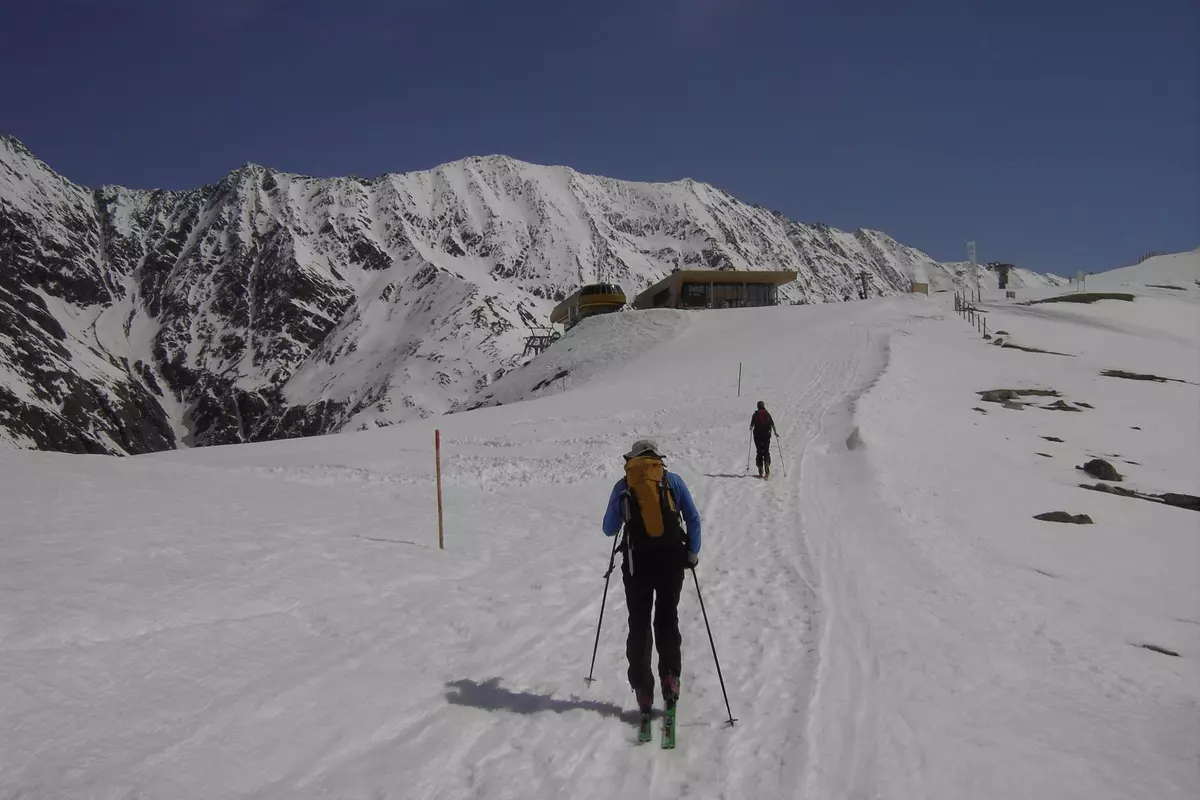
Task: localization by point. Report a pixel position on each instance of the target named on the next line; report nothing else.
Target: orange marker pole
(437, 460)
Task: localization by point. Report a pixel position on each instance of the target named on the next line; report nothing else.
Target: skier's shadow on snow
(491, 696)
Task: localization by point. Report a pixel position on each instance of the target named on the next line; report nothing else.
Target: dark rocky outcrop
(1063, 516)
(1157, 649)
(1007, 345)
(1188, 501)
(1084, 297)
(1138, 376)
(1009, 395)
(1102, 470)
(1185, 501)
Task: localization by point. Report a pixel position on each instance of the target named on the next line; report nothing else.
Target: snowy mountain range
(272, 305)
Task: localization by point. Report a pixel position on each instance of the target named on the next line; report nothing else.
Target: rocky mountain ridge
(270, 305)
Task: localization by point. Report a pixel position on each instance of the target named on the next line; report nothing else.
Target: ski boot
(670, 688)
(645, 701)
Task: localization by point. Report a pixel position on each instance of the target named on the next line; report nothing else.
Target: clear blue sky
(1059, 134)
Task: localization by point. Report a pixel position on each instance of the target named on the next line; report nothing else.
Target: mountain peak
(263, 307)
(15, 147)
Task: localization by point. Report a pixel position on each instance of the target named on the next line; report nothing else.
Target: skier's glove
(692, 560)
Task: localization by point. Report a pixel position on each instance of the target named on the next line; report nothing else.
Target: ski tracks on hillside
(856, 748)
(769, 599)
(774, 593)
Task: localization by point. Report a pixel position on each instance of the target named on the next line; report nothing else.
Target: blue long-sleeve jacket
(691, 517)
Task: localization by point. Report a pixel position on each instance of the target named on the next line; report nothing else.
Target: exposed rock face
(271, 305)
(1099, 468)
(1063, 516)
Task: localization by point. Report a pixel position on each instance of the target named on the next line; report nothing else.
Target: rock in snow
(272, 305)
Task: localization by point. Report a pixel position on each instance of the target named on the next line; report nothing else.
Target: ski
(668, 727)
(644, 728)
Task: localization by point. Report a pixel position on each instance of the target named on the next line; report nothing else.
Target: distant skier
(649, 502)
(762, 426)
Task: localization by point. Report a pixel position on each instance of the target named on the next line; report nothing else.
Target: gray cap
(641, 447)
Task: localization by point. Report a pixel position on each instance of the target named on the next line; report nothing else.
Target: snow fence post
(437, 463)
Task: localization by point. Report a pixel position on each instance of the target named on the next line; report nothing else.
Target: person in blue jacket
(653, 505)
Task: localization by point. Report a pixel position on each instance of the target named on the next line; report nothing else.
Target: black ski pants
(655, 583)
(762, 447)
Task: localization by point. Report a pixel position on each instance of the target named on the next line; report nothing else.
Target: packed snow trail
(276, 620)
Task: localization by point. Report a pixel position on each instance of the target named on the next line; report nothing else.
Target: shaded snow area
(584, 353)
(276, 620)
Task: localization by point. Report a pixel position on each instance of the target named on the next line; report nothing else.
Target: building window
(694, 295)
(728, 295)
(758, 294)
(718, 295)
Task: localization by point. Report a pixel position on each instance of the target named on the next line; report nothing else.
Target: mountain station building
(713, 288)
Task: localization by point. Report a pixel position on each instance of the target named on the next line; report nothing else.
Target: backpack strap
(666, 497)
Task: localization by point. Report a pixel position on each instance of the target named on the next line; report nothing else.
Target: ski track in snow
(276, 620)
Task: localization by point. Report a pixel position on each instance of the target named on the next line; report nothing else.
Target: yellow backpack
(652, 516)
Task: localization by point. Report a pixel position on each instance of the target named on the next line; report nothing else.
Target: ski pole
(782, 458)
(612, 561)
(717, 661)
(747, 456)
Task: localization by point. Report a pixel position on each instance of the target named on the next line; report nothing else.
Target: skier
(762, 426)
(649, 502)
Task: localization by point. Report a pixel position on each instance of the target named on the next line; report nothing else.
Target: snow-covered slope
(585, 353)
(952, 275)
(272, 305)
(890, 619)
(1178, 270)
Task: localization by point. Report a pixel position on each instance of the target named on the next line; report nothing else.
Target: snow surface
(1177, 269)
(276, 620)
